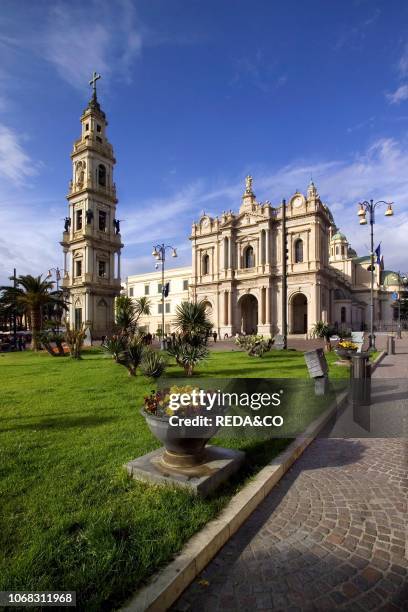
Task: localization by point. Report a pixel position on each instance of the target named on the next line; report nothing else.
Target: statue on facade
(67, 224)
(248, 184)
(116, 225)
(80, 173)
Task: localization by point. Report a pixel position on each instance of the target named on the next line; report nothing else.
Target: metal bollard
(360, 379)
(391, 345)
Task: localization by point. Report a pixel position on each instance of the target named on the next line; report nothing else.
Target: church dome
(339, 236)
(390, 278)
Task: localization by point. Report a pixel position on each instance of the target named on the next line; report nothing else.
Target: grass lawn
(70, 518)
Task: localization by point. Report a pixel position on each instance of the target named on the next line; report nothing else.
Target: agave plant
(153, 364)
(187, 355)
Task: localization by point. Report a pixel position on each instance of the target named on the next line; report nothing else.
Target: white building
(150, 285)
(91, 240)
(237, 270)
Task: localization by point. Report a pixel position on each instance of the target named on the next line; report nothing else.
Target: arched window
(299, 251)
(206, 264)
(249, 257)
(102, 175)
(343, 314)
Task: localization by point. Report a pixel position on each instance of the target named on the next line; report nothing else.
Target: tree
(32, 293)
(129, 311)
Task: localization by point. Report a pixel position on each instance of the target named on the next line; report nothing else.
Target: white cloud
(31, 229)
(15, 163)
(403, 62)
(92, 36)
(399, 95)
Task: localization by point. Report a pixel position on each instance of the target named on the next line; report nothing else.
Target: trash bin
(360, 378)
(391, 345)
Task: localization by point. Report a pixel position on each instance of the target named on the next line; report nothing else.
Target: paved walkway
(393, 366)
(331, 536)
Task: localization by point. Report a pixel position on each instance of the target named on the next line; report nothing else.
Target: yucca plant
(116, 347)
(323, 330)
(46, 338)
(187, 355)
(153, 364)
(192, 321)
(134, 355)
(75, 340)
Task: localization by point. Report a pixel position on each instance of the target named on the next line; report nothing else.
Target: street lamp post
(284, 279)
(159, 252)
(364, 208)
(402, 278)
(58, 278)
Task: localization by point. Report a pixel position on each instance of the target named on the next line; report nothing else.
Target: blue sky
(199, 93)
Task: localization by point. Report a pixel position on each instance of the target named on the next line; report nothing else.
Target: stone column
(268, 306)
(230, 256)
(267, 247)
(226, 322)
(119, 265)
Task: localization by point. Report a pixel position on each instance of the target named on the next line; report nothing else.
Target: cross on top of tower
(92, 82)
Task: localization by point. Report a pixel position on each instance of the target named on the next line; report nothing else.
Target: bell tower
(91, 240)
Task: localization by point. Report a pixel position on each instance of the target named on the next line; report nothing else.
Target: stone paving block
(323, 539)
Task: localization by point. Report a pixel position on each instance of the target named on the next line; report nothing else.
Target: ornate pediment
(248, 218)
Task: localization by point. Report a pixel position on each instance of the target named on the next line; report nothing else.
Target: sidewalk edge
(168, 584)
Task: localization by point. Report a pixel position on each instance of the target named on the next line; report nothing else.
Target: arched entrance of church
(248, 314)
(209, 311)
(299, 314)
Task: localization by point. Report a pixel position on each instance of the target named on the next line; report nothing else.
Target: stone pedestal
(220, 463)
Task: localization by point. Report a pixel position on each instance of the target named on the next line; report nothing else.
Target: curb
(164, 588)
(378, 360)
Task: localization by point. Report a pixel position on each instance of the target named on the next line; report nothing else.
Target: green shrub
(255, 346)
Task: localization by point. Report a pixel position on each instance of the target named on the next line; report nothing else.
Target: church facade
(91, 240)
(237, 270)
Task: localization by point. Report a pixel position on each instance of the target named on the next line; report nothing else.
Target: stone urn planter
(184, 446)
(345, 354)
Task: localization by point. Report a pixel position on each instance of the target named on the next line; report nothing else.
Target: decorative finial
(92, 82)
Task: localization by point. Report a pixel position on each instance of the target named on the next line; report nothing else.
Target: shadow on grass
(58, 423)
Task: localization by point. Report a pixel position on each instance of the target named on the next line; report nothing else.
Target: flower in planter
(158, 402)
(347, 345)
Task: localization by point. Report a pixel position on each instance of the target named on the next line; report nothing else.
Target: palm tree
(192, 321)
(32, 293)
(125, 314)
(129, 311)
(142, 307)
